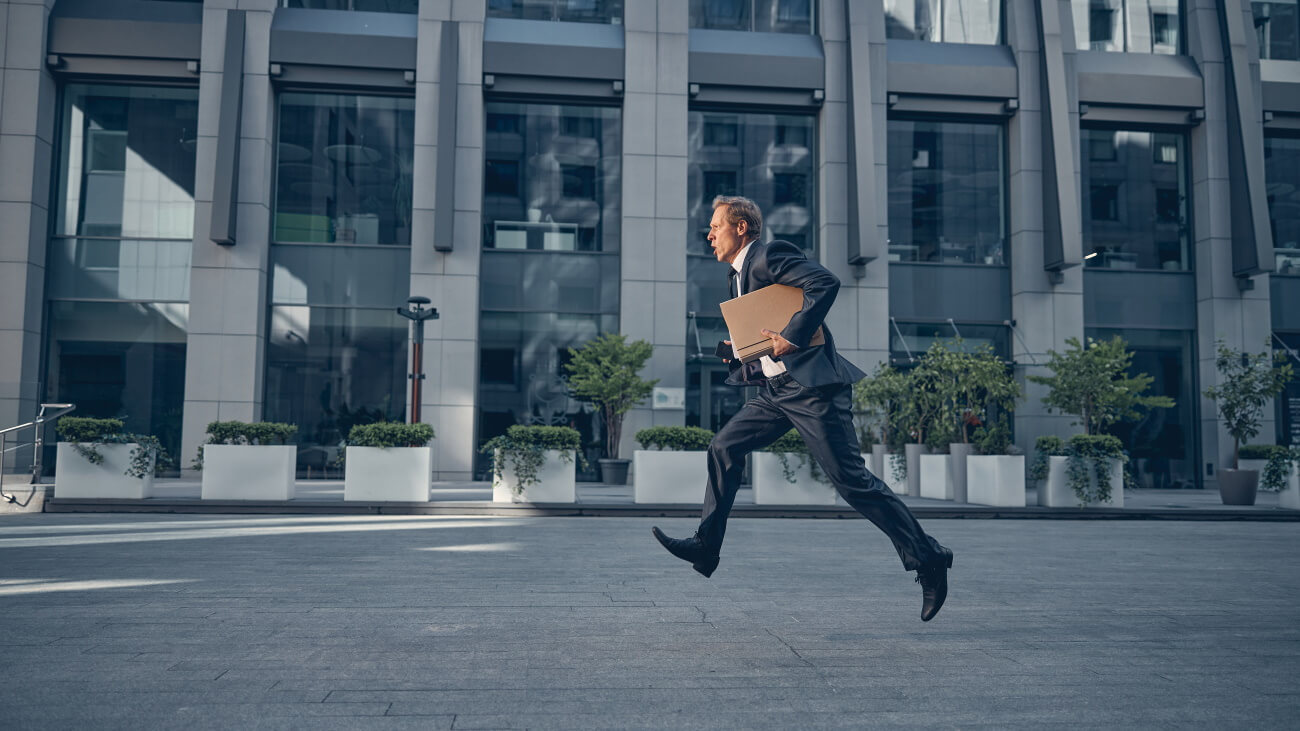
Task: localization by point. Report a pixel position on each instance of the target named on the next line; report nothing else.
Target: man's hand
(726, 360)
(780, 346)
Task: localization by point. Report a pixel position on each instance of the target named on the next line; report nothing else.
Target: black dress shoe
(702, 558)
(934, 584)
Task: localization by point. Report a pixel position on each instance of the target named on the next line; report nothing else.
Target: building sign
(669, 398)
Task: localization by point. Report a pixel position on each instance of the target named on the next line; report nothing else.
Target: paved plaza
(439, 622)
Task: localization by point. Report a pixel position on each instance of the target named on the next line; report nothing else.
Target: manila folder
(768, 308)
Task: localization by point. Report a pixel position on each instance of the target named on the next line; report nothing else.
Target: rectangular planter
(557, 482)
(248, 472)
(393, 474)
(897, 486)
(936, 476)
(997, 480)
(1289, 498)
(76, 477)
(669, 476)
(1055, 491)
(771, 487)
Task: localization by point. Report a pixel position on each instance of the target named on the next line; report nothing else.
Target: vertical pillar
(1043, 191)
(27, 99)
(225, 352)
(447, 271)
(652, 298)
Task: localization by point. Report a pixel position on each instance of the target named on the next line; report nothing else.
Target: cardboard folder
(768, 308)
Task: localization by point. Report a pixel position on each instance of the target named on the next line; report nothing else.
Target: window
(768, 16)
(1101, 147)
(945, 21)
(1282, 180)
(501, 177)
(570, 11)
(908, 340)
(719, 182)
(1277, 28)
(375, 6)
(343, 169)
(721, 133)
(790, 188)
(1131, 26)
(946, 192)
(1136, 202)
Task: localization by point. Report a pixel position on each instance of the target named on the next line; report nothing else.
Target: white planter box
(1290, 496)
(557, 482)
(75, 477)
(879, 461)
(911, 484)
(393, 474)
(669, 476)
(771, 487)
(997, 480)
(1055, 492)
(936, 476)
(248, 472)
(899, 487)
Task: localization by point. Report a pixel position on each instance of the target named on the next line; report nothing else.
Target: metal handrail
(54, 412)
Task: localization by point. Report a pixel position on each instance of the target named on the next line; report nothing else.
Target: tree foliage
(604, 372)
(1092, 383)
(1246, 382)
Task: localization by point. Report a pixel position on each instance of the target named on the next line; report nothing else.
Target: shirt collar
(739, 261)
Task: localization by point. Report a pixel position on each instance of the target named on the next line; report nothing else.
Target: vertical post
(416, 313)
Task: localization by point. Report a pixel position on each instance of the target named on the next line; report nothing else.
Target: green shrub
(1281, 461)
(243, 432)
(791, 443)
(1261, 451)
(1088, 455)
(993, 438)
(523, 447)
(86, 433)
(386, 434)
(675, 438)
(1044, 447)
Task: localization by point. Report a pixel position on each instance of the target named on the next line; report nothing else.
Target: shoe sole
(706, 567)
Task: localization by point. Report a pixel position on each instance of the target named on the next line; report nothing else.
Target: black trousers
(823, 417)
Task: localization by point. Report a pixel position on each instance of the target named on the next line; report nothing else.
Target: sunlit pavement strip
(158, 621)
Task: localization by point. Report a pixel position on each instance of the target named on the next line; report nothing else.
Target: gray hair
(740, 208)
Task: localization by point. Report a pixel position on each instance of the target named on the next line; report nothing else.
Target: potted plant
(604, 372)
(247, 461)
(877, 401)
(1084, 470)
(786, 474)
(978, 386)
(671, 465)
(388, 461)
(97, 459)
(920, 419)
(995, 473)
(1246, 382)
(1282, 473)
(535, 464)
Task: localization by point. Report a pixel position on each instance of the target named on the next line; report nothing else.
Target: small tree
(978, 384)
(1247, 381)
(604, 373)
(924, 411)
(877, 400)
(1092, 383)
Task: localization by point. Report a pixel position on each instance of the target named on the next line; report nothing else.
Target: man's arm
(787, 265)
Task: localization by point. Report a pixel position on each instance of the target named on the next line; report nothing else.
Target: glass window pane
(570, 11)
(552, 181)
(343, 169)
(1287, 404)
(766, 16)
(130, 269)
(947, 21)
(340, 275)
(377, 6)
(550, 282)
(121, 360)
(331, 368)
(128, 161)
(946, 187)
(1135, 202)
(1277, 29)
(908, 340)
(1134, 26)
(1282, 180)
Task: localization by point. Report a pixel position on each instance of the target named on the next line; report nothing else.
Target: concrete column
(27, 100)
(450, 279)
(853, 179)
(1045, 314)
(225, 355)
(1242, 319)
(654, 230)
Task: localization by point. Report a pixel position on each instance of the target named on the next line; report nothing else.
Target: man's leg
(756, 425)
(824, 419)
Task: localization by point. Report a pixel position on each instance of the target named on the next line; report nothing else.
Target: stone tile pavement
(439, 622)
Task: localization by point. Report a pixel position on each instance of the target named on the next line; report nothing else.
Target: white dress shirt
(770, 367)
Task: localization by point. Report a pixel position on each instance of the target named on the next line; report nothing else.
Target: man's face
(727, 239)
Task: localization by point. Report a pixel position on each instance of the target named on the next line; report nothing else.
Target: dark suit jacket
(781, 262)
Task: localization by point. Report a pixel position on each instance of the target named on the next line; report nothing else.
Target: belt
(780, 379)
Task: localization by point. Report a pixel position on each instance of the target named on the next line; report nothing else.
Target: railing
(48, 412)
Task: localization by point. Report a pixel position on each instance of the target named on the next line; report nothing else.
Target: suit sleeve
(787, 265)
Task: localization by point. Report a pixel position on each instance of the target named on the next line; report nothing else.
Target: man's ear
(742, 228)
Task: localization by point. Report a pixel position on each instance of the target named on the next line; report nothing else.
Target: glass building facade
(944, 21)
(1129, 26)
(1135, 209)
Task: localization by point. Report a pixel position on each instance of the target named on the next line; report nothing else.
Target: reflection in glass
(343, 169)
(128, 161)
(122, 360)
(909, 340)
(1277, 28)
(571, 11)
(1282, 178)
(552, 179)
(377, 6)
(126, 269)
(550, 282)
(1161, 443)
(329, 369)
(1287, 404)
(1130, 26)
(350, 276)
(1135, 200)
(946, 192)
(945, 21)
(767, 16)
